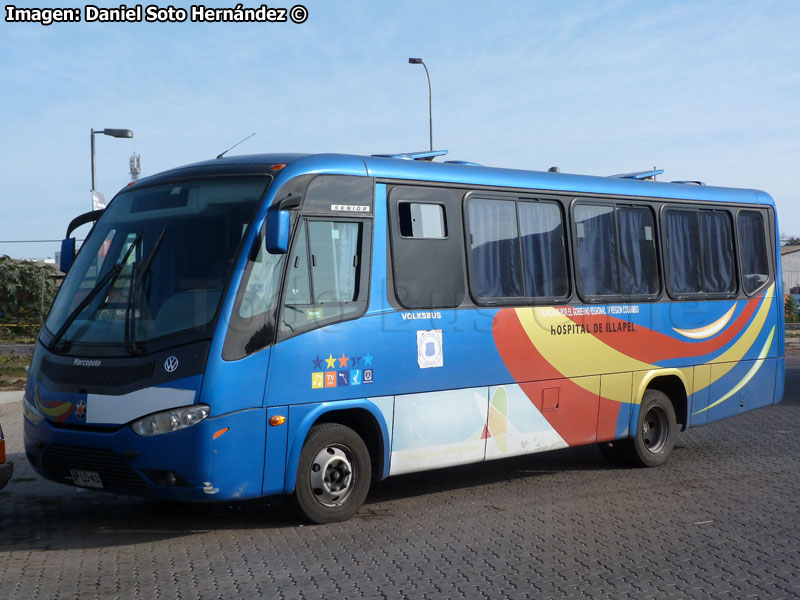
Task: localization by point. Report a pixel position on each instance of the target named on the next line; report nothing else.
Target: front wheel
(333, 474)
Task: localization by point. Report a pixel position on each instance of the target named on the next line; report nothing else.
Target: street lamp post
(117, 133)
(419, 61)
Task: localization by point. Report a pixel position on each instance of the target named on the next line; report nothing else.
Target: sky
(706, 90)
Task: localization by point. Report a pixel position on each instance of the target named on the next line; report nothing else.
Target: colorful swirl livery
(717, 363)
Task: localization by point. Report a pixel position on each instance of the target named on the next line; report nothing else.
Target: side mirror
(67, 254)
(277, 231)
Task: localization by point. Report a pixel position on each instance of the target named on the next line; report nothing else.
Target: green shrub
(790, 308)
(26, 292)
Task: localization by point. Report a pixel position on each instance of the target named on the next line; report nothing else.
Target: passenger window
(752, 250)
(324, 274)
(543, 251)
(682, 235)
(616, 253)
(637, 251)
(494, 249)
(421, 220)
(718, 265)
(517, 249)
(427, 246)
(699, 252)
(596, 238)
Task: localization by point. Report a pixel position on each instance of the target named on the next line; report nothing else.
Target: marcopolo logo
(171, 364)
(79, 362)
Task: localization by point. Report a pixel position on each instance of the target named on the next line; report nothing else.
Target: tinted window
(699, 251)
(616, 252)
(543, 251)
(752, 250)
(718, 267)
(494, 249)
(682, 233)
(517, 249)
(637, 251)
(596, 239)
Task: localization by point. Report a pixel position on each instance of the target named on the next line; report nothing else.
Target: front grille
(97, 376)
(114, 473)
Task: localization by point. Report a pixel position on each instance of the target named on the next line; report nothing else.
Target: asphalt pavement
(720, 520)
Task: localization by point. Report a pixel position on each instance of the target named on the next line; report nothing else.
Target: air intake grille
(114, 473)
(97, 376)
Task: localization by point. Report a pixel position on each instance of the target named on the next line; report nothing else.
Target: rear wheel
(654, 437)
(333, 474)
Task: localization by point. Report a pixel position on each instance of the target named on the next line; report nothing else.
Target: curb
(9, 397)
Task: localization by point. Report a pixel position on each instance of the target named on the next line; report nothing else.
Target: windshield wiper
(137, 276)
(107, 281)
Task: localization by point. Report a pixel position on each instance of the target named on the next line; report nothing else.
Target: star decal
(368, 359)
(343, 360)
(330, 362)
(317, 362)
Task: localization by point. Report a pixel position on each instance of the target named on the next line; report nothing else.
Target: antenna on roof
(221, 154)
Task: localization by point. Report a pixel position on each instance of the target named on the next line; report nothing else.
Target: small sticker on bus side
(317, 380)
(430, 351)
(343, 371)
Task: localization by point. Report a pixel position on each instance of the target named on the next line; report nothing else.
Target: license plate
(90, 479)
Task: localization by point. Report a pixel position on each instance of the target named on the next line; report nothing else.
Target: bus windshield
(156, 263)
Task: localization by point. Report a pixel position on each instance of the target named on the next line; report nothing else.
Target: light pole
(117, 133)
(419, 61)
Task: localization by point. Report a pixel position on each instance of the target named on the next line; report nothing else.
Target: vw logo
(171, 364)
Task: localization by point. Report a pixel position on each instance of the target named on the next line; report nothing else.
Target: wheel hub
(655, 429)
(332, 476)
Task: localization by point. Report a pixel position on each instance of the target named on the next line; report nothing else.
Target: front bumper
(186, 465)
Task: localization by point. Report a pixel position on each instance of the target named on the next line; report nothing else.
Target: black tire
(654, 438)
(333, 474)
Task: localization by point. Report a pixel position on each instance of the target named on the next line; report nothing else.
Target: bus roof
(458, 172)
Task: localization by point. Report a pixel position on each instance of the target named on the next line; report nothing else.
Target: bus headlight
(33, 414)
(170, 420)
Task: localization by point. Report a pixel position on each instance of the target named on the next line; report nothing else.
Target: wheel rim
(333, 475)
(655, 429)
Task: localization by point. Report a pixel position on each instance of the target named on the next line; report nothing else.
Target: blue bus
(307, 324)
